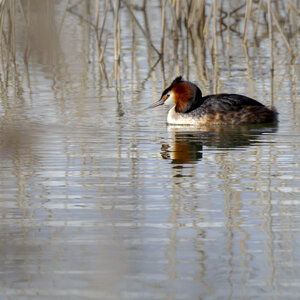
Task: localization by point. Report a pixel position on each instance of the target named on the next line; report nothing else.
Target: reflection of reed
(194, 38)
(186, 27)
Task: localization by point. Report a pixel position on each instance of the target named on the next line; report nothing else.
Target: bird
(189, 107)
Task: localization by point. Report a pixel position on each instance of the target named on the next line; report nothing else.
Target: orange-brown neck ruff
(182, 96)
(187, 97)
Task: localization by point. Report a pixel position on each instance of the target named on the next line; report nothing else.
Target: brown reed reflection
(90, 205)
(192, 29)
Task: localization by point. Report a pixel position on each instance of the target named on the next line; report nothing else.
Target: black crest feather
(177, 80)
(174, 82)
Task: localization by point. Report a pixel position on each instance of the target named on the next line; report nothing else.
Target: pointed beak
(157, 103)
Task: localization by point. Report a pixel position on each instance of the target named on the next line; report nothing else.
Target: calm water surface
(100, 199)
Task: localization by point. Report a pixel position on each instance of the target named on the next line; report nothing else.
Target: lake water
(100, 199)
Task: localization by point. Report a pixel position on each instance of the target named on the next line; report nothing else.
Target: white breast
(182, 119)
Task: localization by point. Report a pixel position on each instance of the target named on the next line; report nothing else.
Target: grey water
(100, 199)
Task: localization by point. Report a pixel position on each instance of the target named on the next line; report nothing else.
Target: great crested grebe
(190, 108)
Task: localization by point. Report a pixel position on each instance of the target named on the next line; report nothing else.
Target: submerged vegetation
(196, 31)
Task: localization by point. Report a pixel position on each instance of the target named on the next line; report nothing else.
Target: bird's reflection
(186, 147)
(186, 143)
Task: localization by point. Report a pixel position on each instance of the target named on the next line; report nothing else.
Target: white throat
(171, 99)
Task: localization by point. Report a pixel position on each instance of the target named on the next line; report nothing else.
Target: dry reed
(189, 29)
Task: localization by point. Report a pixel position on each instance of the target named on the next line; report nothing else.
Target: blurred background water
(100, 199)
